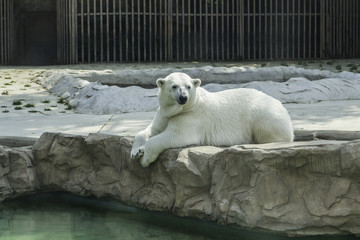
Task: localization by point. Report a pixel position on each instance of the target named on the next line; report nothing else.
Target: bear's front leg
(165, 140)
(137, 150)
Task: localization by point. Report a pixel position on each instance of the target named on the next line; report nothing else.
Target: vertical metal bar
(222, 31)
(249, 30)
(74, 37)
(322, 28)
(206, 32)
(95, 32)
(276, 29)
(282, 30)
(233, 31)
(310, 28)
(212, 29)
(132, 31)
(114, 29)
(88, 29)
(299, 28)
(8, 16)
(217, 30)
(357, 34)
(227, 30)
(265, 29)
(82, 29)
(260, 31)
(271, 30)
(3, 23)
(138, 31)
(160, 30)
(177, 31)
(120, 33)
(195, 33)
(304, 31)
(150, 31)
(242, 31)
(200, 31)
(169, 19)
(144, 26)
(315, 28)
(67, 31)
(155, 31)
(189, 29)
(254, 30)
(126, 30)
(101, 32)
(107, 33)
(183, 29)
(287, 29)
(339, 27)
(293, 29)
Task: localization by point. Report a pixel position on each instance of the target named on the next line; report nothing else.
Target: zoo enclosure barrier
(197, 30)
(213, 30)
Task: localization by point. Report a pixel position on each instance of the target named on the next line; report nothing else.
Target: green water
(62, 216)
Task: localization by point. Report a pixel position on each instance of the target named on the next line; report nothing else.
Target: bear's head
(177, 88)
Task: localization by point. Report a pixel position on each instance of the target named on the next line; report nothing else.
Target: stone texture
(295, 188)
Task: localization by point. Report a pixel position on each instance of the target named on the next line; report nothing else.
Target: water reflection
(62, 216)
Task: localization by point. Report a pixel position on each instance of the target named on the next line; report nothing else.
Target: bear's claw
(137, 153)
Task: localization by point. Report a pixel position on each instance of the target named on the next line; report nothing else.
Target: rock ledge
(300, 188)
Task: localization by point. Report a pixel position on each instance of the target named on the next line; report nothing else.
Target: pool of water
(62, 216)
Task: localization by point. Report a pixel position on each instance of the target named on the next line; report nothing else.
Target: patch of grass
(5, 93)
(29, 105)
(69, 107)
(7, 77)
(17, 102)
(5, 111)
(3, 106)
(18, 108)
(263, 65)
(284, 64)
(32, 111)
(47, 109)
(53, 106)
(338, 67)
(62, 101)
(7, 84)
(46, 101)
(27, 85)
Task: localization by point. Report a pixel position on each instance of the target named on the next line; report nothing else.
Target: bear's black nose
(182, 100)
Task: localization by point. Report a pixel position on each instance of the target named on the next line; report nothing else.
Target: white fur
(230, 117)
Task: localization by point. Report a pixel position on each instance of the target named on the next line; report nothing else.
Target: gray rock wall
(296, 188)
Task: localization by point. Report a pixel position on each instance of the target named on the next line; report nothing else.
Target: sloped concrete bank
(302, 188)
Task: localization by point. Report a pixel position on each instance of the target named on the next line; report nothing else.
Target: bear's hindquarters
(273, 126)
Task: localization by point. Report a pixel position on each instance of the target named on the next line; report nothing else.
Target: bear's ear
(160, 82)
(196, 82)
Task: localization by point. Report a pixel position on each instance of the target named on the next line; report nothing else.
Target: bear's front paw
(147, 159)
(137, 152)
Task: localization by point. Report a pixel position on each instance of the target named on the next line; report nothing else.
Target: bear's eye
(188, 87)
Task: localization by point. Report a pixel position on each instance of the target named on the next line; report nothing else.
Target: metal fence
(197, 30)
(6, 26)
(210, 30)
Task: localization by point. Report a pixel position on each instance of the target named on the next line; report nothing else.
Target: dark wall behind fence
(199, 30)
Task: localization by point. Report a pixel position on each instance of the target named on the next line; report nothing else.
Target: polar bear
(190, 115)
